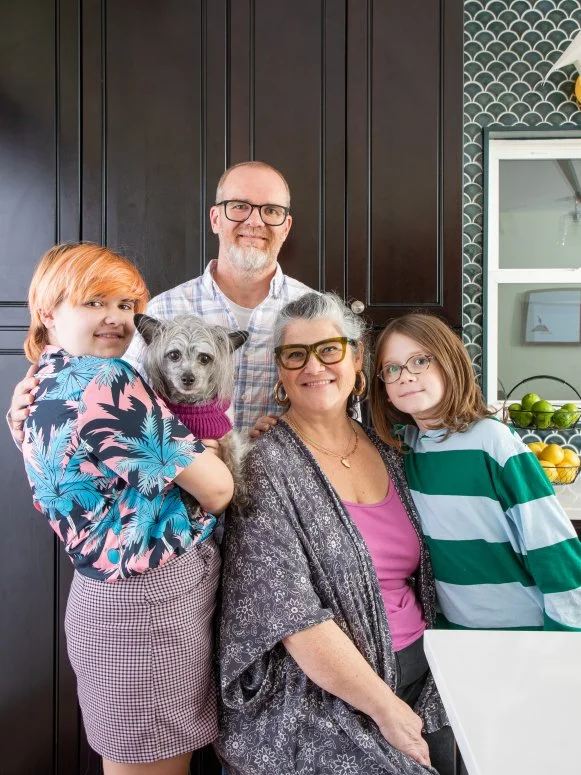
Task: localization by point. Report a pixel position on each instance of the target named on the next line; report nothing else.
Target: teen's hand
(21, 400)
(263, 424)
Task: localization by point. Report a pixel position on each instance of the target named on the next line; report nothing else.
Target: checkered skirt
(142, 651)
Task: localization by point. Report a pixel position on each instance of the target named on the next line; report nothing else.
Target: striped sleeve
(550, 549)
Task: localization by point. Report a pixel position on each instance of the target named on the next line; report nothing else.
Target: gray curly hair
(325, 306)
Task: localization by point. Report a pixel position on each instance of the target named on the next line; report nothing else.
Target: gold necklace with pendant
(345, 458)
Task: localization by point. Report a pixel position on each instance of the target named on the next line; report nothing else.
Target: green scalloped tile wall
(508, 49)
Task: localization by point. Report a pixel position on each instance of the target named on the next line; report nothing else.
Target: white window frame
(498, 149)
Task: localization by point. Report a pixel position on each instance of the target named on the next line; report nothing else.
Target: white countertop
(513, 698)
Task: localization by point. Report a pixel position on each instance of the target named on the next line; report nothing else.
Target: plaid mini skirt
(142, 652)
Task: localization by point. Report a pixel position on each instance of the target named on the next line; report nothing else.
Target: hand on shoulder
(263, 424)
(22, 397)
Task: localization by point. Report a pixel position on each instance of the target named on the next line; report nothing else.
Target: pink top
(395, 552)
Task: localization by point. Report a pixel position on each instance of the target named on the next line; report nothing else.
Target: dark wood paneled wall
(116, 121)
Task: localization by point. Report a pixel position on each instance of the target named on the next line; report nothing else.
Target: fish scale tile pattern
(509, 47)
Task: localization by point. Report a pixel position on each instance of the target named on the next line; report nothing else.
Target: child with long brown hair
(103, 456)
(504, 553)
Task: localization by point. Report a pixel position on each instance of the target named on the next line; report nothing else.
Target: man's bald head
(257, 165)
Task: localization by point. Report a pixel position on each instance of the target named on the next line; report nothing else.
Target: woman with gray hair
(327, 585)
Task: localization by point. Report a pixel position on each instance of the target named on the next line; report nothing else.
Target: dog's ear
(148, 327)
(237, 338)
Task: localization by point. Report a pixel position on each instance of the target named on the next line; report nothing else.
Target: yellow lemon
(537, 447)
(578, 89)
(567, 470)
(566, 474)
(553, 453)
(571, 458)
(549, 470)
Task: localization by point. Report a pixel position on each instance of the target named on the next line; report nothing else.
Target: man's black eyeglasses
(239, 211)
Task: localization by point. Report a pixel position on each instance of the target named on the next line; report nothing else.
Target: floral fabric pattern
(101, 451)
(294, 559)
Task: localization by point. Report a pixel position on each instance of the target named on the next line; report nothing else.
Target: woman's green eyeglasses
(327, 351)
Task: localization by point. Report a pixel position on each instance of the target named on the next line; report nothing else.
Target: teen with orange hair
(103, 456)
(504, 553)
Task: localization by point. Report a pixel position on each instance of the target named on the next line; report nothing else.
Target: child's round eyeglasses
(417, 364)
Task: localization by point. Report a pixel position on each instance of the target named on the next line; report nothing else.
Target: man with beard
(244, 288)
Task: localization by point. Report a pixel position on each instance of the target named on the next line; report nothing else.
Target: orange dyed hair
(78, 272)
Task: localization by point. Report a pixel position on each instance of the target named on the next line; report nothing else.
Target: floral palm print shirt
(101, 452)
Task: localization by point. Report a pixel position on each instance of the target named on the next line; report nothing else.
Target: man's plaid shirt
(255, 365)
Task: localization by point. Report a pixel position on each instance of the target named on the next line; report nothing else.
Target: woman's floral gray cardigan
(294, 559)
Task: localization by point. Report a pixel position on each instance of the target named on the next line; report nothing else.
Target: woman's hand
(22, 397)
(214, 446)
(330, 659)
(402, 728)
(263, 424)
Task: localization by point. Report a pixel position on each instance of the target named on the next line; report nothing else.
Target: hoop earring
(280, 396)
(360, 386)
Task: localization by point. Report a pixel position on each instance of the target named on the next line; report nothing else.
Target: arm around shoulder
(19, 409)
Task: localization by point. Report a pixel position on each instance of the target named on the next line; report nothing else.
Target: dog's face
(188, 361)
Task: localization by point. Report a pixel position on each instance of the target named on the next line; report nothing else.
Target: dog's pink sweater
(205, 421)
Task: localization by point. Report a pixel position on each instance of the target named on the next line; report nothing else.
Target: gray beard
(250, 260)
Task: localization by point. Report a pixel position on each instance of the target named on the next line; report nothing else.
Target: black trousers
(412, 670)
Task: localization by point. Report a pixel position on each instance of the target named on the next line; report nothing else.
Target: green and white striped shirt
(504, 553)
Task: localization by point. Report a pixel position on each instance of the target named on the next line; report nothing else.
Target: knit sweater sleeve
(549, 546)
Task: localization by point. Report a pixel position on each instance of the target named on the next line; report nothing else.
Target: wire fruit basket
(560, 464)
(546, 417)
(565, 474)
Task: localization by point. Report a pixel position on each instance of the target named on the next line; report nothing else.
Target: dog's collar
(205, 421)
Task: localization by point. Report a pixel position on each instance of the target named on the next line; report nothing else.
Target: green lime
(574, 412)
(543, 406)
(543, 411)
(528, 400)
(520, 418)
(562, 419)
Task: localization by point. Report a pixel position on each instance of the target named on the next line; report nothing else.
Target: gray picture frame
(552, 317)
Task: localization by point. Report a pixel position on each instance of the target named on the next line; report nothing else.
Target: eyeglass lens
(326, 352)
(272, 215)
(391, 372)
